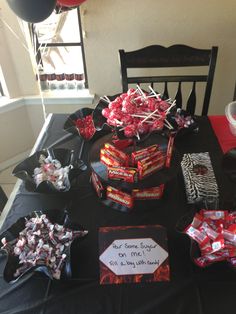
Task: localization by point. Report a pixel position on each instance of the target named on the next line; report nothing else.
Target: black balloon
(32, 11)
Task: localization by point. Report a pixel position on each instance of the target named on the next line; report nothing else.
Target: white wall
(110, 26)
(133, 24)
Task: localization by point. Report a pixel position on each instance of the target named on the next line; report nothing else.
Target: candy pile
(86, 126)
(215, 233)
(41, 243)
(51, 170)
(137, 113)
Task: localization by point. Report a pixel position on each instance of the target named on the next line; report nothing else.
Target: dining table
(191, 289)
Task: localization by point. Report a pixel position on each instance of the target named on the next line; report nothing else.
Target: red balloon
(69, 3)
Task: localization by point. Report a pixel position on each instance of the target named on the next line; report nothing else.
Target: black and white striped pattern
(199, 187)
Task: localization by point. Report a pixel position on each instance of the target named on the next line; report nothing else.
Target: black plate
(25, 169)
(12, 263)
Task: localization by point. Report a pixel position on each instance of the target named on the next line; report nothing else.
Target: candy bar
(148, 194)
(212, 234)
(150, 167)
(119, 197)
(123, 173)
(169, 151)
(152, 157)
(197, 235)
(116, 153)
(108, 159)
(214, 214)
(143, 153)
(97, 185)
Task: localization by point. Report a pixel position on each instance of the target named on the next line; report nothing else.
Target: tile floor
(7, 180)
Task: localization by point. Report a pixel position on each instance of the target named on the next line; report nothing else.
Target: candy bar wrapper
(98, 185)
(143, 153)
(123, 173)
(199, 177)
(108, 159)
(169, 151)
(151, 157)
(154, 193)
(120, 197)
(116, 153)
(150, 167)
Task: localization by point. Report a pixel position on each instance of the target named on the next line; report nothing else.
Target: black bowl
(70, 124)
(195, 251)
(12, 263)
(25, 169)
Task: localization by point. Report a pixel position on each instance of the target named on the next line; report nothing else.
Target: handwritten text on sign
(133, 256)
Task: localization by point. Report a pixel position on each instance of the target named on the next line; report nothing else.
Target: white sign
(133, 256)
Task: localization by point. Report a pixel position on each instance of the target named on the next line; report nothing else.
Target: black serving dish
(195, 252)
(25, 169)
(70, 124)
(12, 262)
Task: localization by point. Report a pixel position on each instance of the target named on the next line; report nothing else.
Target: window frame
(80, 43)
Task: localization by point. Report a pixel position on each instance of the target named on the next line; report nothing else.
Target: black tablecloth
(190, 290)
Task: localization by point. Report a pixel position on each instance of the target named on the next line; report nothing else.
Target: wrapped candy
(41, 243)
(52, 170)
(215, 233)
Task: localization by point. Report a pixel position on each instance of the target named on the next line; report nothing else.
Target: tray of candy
(212, 234)
(161, 176)
(42, 242)
(137, 113)
(50, 170)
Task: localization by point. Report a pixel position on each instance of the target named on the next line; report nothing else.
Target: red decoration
(70, 3)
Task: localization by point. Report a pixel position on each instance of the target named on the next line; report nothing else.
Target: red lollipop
(69, 3)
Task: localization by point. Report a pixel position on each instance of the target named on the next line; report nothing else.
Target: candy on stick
(128, 111)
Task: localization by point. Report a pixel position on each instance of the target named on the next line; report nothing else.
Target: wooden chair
(172, 57)
(234, 98)
(3, 199)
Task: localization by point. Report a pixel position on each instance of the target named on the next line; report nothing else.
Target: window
(59, 50)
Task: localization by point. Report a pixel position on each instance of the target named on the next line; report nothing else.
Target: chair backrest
(3, 199)
(156, 56)
(234, 98)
